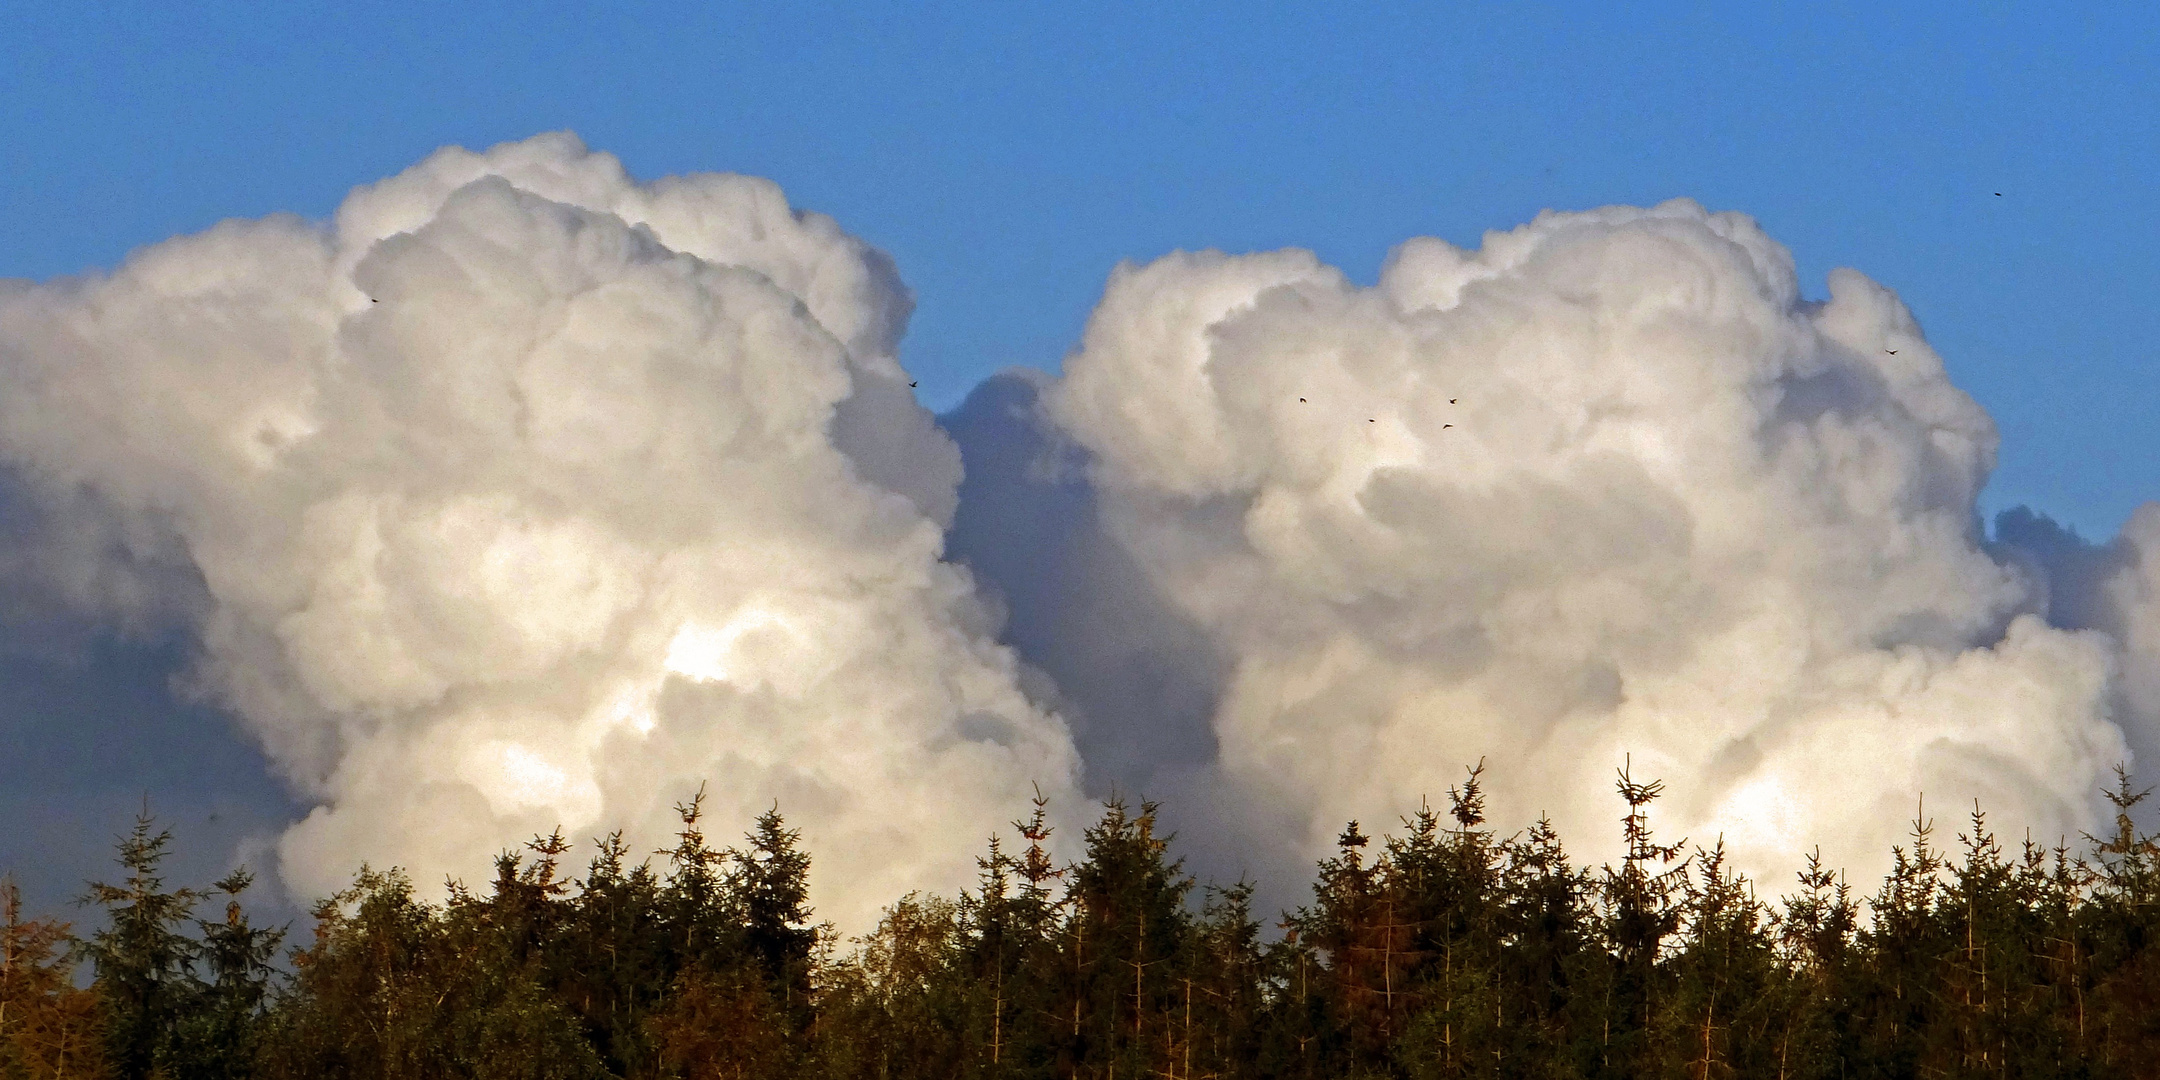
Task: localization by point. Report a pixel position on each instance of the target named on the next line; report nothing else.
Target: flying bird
(911, 384)
(372, 300)
(1452, 401)
(1998, 194)
(1892, 352)
(1444, 427)
(1301, 399)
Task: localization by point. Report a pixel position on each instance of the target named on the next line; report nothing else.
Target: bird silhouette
(1998, 194)
(1452, 401)
(372, 300)
(1444, 427)
(911, 384)
(1371, 421)
(1892, 352)
(1301, 399)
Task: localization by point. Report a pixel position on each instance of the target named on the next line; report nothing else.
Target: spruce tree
(1552, 976)
(1640, 913)
(610, 962)
(772, 883)
(1444, 888)
(218, 1032)
(1899, 991)
(1219, 1032)
(742, 996)
(701, 917)
(2123, 931)
(1727, 992)
(1126, 931)
(1343, 1016)
(141, 957)
(500, 1015)
(1008, 955)
(1814, 934)
(1448, 953)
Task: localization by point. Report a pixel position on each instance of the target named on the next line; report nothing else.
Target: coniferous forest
(1446, 949)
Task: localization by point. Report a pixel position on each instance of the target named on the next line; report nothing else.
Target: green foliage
(215, 1036)
(142, 959)
(1443, 950)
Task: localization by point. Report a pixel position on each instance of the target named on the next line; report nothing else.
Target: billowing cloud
(2112, 587)
(2133, 602)
(523, 494)
(527, 495)
(1606, 488)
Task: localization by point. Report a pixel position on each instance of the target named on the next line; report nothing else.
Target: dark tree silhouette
(1444, 949)
(142, 959)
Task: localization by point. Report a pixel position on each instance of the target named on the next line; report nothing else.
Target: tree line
(1446, 949)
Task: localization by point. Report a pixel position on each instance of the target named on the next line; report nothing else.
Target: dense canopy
(1444, 949)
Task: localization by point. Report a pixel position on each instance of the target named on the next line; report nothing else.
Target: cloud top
(525, 495)
(1607, 487)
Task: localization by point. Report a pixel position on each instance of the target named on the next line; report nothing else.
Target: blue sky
(1009, 155)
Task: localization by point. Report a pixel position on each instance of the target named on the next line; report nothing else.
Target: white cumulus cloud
(1606, 488)
(524, 494)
